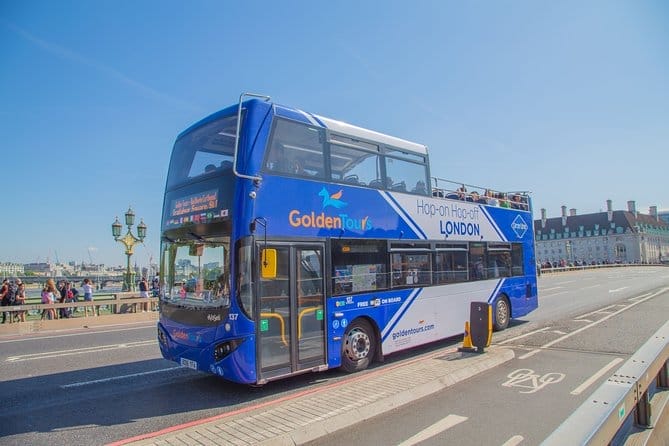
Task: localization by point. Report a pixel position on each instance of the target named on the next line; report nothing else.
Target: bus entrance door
(291, 328)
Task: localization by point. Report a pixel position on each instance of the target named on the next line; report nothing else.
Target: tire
(502, 314)
(359, 346)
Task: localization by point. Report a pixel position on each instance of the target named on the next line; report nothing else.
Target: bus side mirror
(268, 263)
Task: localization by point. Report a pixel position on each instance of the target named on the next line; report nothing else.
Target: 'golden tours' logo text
(341, 220)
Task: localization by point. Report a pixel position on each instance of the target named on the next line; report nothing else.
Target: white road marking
(513, 441)
(618, 289)
(524, 335)
(601, 310)
(79, 351)
(591, 286)
(543, 296)
(115, 378)
(585, 327)
(632, 299)
(531, 381)
(587, 383)
(436, 428)
(543, 290)
(84, 332)
(582, 320)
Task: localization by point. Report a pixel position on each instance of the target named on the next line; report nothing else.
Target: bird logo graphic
(332, 200)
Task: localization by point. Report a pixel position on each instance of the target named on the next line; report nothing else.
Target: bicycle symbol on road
(527, 379)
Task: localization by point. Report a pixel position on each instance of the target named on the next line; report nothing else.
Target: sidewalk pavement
(305, 417)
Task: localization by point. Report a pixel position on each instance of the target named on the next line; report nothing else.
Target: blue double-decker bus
(293, 243)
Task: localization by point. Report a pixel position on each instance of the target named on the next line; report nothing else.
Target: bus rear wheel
(359, 346)
(502, 313)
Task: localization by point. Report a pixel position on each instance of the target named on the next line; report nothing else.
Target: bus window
(405, 176)
(244, 284)
(358, 265)
(498, 260)
(410, 265)
(517, 259)
(296, 149)
(477, 261)
(354, 166)
(208, 149)
(450, 263)
(197, 274)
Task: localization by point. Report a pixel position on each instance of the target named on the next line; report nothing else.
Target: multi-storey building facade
(11, 269)
(603, 237)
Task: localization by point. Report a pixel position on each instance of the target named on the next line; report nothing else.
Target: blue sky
(568, 99)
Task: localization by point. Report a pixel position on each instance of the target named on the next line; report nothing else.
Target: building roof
(597, 221)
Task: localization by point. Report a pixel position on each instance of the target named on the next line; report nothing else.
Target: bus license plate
(189, 363)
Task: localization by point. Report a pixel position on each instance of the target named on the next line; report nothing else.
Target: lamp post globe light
(129, 241)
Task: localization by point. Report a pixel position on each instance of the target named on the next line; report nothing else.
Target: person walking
(21, 300)
(144, 292)
(87, 288)
(8, 294)
(49, 293)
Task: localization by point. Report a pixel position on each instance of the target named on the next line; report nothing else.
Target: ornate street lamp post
(129, 240)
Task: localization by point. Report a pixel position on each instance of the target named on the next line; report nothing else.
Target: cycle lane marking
(435, 429)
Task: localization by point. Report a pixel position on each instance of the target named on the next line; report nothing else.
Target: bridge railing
(632, 398)
(117, 303)
(561, 269)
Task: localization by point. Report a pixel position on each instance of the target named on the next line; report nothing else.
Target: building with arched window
(603, 237)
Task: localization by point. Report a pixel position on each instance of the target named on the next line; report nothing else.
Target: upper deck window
(355, 166)
(296, 149)
(204, 151)
(406, 176)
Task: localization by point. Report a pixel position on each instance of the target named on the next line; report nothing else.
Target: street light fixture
(129, 240)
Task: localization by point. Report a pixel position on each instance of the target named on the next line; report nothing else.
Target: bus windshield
(197, 273)
(203, 152)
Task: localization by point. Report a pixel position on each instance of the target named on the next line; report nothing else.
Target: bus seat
(351, 179)
(399, 187)
(378, 184)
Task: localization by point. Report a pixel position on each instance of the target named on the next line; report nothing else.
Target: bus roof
(319, 121)
(359, 132)
(349, 129)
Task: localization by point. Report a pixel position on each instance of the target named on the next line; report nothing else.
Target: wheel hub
(358, 345)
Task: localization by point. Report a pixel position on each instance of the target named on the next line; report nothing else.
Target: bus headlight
(225, 348)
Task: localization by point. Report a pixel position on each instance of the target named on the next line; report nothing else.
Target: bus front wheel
(359, 346)
(502, 313)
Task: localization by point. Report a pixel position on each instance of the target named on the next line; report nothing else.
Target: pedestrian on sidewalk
(144, 292)
(7, 296)
(21, 300)
(49, 297)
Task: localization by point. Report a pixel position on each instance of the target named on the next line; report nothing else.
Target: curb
(333, 407)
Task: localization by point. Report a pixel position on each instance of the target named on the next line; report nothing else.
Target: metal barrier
(638, 389)
(116, 303)
(562, 269)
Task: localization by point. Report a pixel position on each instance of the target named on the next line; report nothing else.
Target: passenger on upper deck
(516, 202)
(476, 198)
(490, 198)
(503, 201)
(462, 192)
(420, 188)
